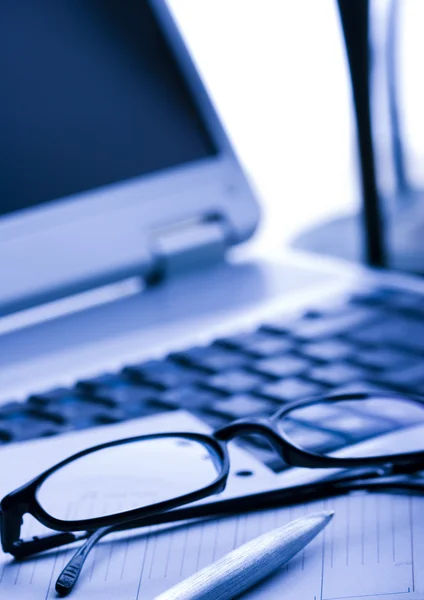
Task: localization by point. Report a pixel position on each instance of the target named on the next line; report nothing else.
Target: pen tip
(325, 516)
(322, 517)
(315, 522)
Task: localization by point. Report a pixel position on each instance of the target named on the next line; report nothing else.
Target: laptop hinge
(189, 244)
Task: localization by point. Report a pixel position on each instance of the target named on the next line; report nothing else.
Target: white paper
(373, 548)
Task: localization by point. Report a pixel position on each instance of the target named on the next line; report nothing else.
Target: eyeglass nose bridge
(257, 426)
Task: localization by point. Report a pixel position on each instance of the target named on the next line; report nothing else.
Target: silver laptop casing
(147, 226)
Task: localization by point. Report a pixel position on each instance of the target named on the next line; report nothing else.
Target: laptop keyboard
(372, 341)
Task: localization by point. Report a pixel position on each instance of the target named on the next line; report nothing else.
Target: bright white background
(276, 72)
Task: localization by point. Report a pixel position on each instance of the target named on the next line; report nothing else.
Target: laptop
(127, 287)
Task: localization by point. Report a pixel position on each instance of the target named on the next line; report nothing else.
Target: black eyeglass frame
(24, 499)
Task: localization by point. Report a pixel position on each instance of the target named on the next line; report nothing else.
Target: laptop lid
(113, 161)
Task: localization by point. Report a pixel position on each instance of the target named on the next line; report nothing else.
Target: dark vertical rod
(354, 15)
(392, 45)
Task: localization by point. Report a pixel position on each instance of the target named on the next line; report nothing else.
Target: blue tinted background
(90, 95)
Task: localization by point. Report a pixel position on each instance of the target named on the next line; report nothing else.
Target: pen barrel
(242, 568)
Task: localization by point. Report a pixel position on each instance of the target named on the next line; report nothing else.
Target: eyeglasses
(136, 481)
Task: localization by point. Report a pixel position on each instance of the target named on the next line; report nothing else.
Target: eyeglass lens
(128, 476)
(357, 428)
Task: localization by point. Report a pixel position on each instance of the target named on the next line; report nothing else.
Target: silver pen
(245, 566)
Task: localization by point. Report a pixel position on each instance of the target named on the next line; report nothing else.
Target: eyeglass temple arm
(21, 549)
(393, 484)
(69, 576)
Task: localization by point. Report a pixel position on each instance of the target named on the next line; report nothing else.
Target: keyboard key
(408, 302)
(258, 344)
(400, 333)
(266, 455)
(393, 299)
(280, 326)
(131, 400)
(329, 325)
(241, 340)
(211, 358)
(282, 366)
(268, 347)
(105, 379)
(313, 440)
(189, 398)
(328, 350)
(290, 389)
(335, 374)
(316, 415)
(365, 298)
(74, 410)
(357, 426)
(391, 409)
(324, 321)
(53, 397)
(238, 407)
(315, 315)
(257, 440)
(49, 397)
(18, 423)
(410, 379)
(125, 393)
(162, 373)
(214, 420)
(384, 358)
(379, 296)
(235, 382)
(81, 417)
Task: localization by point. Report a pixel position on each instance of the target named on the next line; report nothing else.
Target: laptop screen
(91, 95)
